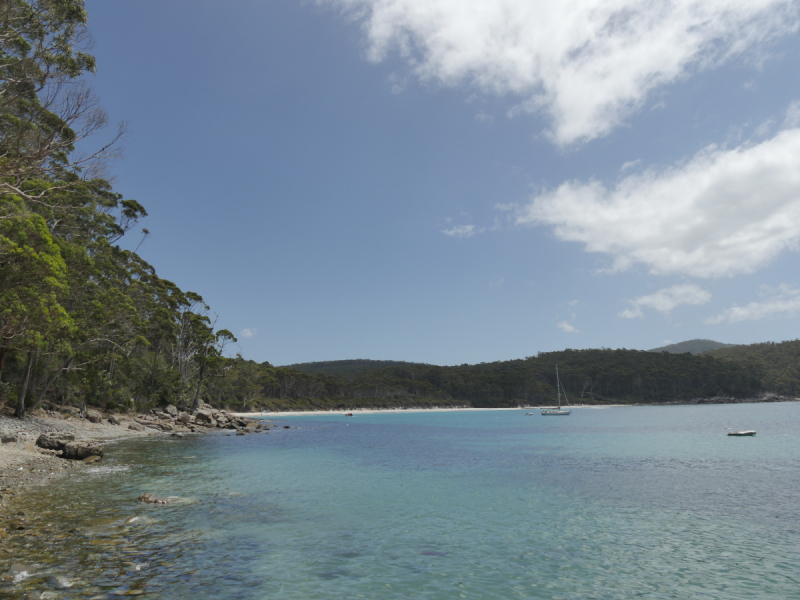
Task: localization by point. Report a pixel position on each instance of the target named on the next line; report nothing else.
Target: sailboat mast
(558, 388)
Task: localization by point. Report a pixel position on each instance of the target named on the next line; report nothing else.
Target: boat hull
(742, 433)
(555, 413)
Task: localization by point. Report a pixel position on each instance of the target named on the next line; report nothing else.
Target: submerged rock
(92, 459)
(17, 573)
(148, 498)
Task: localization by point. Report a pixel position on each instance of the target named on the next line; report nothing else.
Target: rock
(171, 411)
(178, 435)
(54, 441)
(114, 420)
(135, 427)
(185, 417)
(148, 498)
(81, 450)
(240, 433)
(204, 416)
(164, 426)
(92, 459)
(94, 417)
(7, 437)
(17, 573)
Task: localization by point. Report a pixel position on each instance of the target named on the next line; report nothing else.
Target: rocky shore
(52, 444)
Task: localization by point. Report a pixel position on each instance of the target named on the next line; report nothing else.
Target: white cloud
(667, 299)
(587, 63)
(630, 164)
(722, 213)
(567, 328)
(783, 301)
(248, 333)
(462, 231)
(484, 117)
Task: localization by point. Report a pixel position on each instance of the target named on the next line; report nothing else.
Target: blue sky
(462, 181)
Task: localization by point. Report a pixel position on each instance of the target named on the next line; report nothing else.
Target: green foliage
(346, 367)
(779, 363)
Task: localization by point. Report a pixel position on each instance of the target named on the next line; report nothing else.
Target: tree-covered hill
(346, 367)
(779, 363)
(692, 346)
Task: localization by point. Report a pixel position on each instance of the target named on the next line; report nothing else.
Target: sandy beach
(368, 411)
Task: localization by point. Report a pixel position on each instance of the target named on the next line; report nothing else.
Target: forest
(84, 321)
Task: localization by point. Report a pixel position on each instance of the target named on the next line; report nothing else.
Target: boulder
(94, 417)
(171, 411)
(184, 417)
(114, 420)
(81, 450)
(148, 498)
(54, 441)
(92, 459)
(204, 416)
(136, 427)
(7, 437)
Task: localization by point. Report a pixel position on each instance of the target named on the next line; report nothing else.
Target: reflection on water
(620, 503)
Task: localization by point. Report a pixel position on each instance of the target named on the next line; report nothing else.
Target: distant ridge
(345, 367)
(692, 346)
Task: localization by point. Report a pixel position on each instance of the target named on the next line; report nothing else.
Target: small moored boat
(749, 432)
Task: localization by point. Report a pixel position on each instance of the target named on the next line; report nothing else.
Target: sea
(617, 502)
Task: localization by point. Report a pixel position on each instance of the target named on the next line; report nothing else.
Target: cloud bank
(587, 64)
(667, 299)
(784, 301)
(725, 212)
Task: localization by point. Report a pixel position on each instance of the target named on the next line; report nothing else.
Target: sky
(463, 181)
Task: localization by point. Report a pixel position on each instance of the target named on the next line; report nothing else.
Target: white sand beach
(368, 411)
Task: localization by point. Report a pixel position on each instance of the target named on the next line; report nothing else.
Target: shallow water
(652, 502)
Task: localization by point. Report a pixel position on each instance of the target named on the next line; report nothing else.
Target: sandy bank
(368, 411)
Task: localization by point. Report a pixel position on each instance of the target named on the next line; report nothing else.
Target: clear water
(651, 502)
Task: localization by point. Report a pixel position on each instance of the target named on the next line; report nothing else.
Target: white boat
(741, 433)
(559, 410)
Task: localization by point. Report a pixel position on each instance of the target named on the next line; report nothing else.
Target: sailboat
(559, 410)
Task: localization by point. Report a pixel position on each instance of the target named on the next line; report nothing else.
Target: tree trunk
(3, 354)
(52, 380)
(196, 403)
(20, 412)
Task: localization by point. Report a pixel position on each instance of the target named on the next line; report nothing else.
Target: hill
(692, 346)
(779, 363)
(347, 367)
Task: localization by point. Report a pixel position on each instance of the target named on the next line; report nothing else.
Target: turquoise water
(651, 502)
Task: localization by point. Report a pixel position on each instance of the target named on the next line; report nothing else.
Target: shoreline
(375, 411)
(23, 464)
